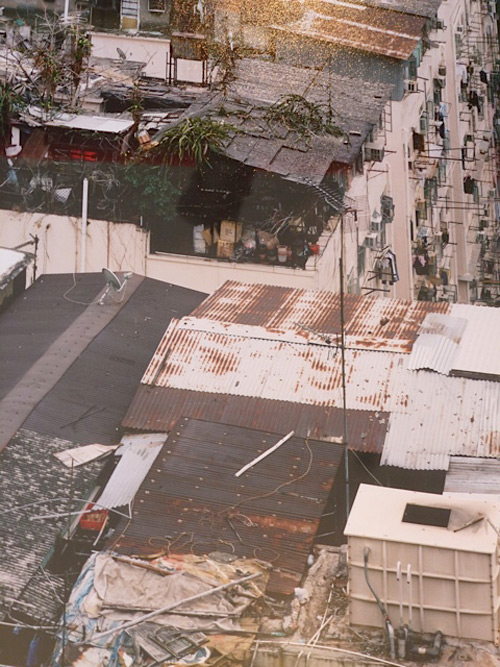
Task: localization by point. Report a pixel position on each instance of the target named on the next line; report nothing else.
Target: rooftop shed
(445, 549)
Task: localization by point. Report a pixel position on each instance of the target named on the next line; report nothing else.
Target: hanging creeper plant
(196, 138)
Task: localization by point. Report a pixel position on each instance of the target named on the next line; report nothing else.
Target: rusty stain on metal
(208, 509)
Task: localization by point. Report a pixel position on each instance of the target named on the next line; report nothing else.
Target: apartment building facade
(420, 214)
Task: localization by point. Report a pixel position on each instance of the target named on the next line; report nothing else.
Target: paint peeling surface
(384, 324)
(251, 347)
(271, 512)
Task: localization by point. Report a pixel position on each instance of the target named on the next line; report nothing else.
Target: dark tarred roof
(89, 401)
(191, 501)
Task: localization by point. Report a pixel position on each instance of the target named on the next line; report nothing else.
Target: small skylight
(427, 516)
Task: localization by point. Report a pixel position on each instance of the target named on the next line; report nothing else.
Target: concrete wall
(124, 247)
(154, 52)
(120, 247)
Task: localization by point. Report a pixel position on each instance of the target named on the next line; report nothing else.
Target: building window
(157, 5)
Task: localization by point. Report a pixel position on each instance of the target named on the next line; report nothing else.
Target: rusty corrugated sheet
(371, 29)
(159, 408)
(271, 512)
(371, 322)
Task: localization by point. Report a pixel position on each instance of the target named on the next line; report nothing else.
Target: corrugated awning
(138, 453)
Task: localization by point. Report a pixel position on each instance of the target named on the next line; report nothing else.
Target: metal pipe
(381, 606)
(264, 454)
(66, 10)
(410, 595)
(334, 649)
(342, 350)
(83, 227)
(169, 607)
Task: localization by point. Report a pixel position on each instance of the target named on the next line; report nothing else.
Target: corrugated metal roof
(431, 415)
(479, 353)
(77, 456)
(372, 502)
(445, 416)
(427, 8)
(473, 475)
(271, 512)
(137, 453)
(438, 343)
(93, 123)
(372, 322)
(159, 409)
(30, 473)
(374, 30)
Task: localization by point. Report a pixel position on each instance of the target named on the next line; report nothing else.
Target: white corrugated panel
(438, 343)
(432, 415)
(446, 416)
(473, 475)
(93, 123)
(479, 354)
(138, 453)
(78, 456)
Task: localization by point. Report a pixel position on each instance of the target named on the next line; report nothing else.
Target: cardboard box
(230, 231)
(225, 249)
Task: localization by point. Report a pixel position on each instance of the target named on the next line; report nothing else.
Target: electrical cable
(367, 470)
(80, 303)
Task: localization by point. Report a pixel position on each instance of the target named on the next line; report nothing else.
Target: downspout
(381, 606)
(83, 226)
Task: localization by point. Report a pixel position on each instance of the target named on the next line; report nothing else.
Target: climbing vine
(196, 139)
(304, 117)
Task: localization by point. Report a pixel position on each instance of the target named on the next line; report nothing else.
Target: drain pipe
(403, 629)
(381, 606)
(433, 651)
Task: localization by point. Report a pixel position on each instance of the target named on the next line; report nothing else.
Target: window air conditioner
(411, 86)
(373, 152)
(371, 241)
(376, 226)
(480, 237)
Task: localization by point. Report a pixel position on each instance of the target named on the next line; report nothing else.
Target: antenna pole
(83, 228)
(342, 349)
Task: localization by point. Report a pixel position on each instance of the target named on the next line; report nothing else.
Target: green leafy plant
(196, 139)
(148, 189)
(304, 117)
(10, 103)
